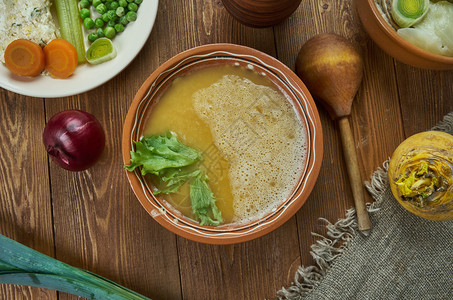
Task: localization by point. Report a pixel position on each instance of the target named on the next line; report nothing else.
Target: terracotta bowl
(387, 38)
(261, 13)
(265, 65)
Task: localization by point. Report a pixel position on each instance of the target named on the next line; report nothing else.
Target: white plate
(86, 77)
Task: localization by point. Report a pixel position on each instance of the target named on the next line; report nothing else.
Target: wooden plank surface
(92, 220)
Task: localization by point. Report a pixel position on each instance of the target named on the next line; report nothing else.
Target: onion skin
(433, 148)
(74, 139)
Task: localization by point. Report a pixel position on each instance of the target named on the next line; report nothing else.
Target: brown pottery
(284, 79)
(260, 13)
(387, 39)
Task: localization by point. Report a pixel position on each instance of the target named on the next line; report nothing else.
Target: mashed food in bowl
(431, 32)
(252, 141)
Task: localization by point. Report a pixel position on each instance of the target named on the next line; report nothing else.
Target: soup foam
(258, 132)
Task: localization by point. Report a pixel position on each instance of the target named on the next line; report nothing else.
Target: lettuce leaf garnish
(156, 154)
(168, 159)
(203, 201)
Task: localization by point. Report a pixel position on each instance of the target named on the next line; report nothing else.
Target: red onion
(74, 139)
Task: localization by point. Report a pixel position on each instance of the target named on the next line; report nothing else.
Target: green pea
(119, 27)
(114, 5)
(124, 20)
(96, 2)
(99, 23)
(131, 16)
(122, 3)
(100, 32)
(105, 17)
(109, 32)
(88, 23)
(132, 6)
(112, 15)
(93, 36)
(120, 11)
(84, 4)
(138, 1)
(101, 8)
(84, 13)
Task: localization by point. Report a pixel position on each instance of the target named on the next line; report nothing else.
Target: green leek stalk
(22, 265)
(409, 12)
(71, 26)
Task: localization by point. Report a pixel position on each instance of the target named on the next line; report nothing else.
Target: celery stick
(70, 25)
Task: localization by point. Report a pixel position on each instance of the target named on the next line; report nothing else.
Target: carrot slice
(61, 58)
(24, 57)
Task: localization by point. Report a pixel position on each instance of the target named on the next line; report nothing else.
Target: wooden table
(92, 220)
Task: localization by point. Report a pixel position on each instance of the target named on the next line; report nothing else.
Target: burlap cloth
(404, 257)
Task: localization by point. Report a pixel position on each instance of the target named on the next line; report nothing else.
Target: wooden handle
(352, 166)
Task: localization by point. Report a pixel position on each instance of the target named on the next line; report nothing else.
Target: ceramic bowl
(208, 55)
(387, 39)
(261, 13)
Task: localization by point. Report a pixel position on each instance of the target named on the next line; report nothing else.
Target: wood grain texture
(245, 270)
(424, 106)
(96, 212)
(372, 105)
(92, 219)
(25, 210)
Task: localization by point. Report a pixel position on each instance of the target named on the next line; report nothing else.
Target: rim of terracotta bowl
(417, 57)
(285, 79)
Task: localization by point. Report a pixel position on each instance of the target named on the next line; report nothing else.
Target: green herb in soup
(203, 201)
(173, 163)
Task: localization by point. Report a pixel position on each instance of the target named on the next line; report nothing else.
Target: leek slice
(100, 51)
(434, 33)
(409, 12)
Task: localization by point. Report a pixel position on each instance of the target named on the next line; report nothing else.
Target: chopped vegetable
(131, 16)
(99, 23)
(24, 57)
(112, 16)
(24, 266)
(409, 12)
(84, 13)
(421, 175)
(156, 154)
(100, 51)
(422, 179)
(168, 159)
(84, 3)
(70, 26)
(101, 8)
(434, 33)
(203, 202)
(109, 32)
(88, 23)
(174, 178)
(61, 58)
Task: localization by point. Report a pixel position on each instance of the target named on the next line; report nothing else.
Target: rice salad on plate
(26, 19)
